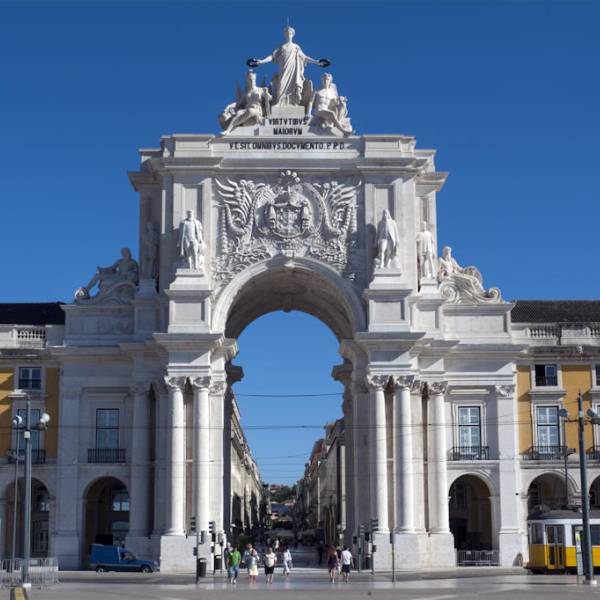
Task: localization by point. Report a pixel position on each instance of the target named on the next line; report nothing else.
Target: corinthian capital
(437, 388)
(505, 391)
(201, 383)
(174, 383)
(139, 388)
(377, 382)
(218, 387)
(403, 382)
(417, 387)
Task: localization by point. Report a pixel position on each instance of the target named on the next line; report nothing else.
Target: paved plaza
(435, 585)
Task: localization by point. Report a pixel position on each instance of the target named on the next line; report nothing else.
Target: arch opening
(106, 513)
(40, 519)
(470, 514)
(547, 492)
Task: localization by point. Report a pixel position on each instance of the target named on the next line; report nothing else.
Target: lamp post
(594, 419)
(39, 426)
(17, 422)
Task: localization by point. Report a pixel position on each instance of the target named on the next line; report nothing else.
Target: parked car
(115, 558)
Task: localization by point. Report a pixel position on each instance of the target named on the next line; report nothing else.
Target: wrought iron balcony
(593, 453)
(106, 455)
(545, 453)
(470, 453)
(546, 380)
(37, 456)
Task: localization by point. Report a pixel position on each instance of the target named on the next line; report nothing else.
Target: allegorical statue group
(325, 107)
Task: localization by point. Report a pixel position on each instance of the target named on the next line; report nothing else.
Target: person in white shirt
(286, 556)
(346, 563)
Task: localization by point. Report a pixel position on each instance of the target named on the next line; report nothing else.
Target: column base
(176, 553)
(513, 548)
(440, 550)
(68, 551)
(410, 550)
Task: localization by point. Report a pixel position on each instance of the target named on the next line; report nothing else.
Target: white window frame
(456, 404)
(42, 378)
(558, 406)
(559, 382)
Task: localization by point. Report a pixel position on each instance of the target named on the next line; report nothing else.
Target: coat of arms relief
(289, 217)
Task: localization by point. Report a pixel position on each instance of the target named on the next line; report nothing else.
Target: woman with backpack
(332, 563)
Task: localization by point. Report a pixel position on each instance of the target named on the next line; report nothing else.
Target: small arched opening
(40, 519)
(546, 492)
(470, 514)
(106, 513)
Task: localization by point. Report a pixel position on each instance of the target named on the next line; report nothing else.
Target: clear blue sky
(507, 92)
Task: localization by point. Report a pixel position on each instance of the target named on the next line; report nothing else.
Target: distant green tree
(285, 492)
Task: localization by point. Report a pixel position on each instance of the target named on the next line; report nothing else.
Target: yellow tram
(552, 540)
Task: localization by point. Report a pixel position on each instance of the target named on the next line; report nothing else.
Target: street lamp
(17, 422)
(594, 419)
(41, 425)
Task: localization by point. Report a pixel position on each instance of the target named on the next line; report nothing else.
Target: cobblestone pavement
(463, 584)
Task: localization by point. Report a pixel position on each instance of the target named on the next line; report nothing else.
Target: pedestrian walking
(246, 557)
(338, 551)
(269, 560)
(332, 563)
(234, 565)
(253, 566)
(226, 553)
(286, 557)
(347, 561)
(320, 552)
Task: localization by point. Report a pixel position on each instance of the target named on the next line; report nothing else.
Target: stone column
(140, 461)
(378, 432)
(509, 525)
(403, 455)
(201, 446)
(175, 441)
(437, 460)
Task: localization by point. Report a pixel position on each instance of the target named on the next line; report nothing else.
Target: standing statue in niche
(426, 253)
(124, 269)
(251, 107)
(191, 241)
(387, 242)
(288, 85)
(329, 109)
(149, 256)
(463, 283)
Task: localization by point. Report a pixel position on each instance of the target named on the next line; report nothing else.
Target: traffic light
(374, 524)
(212, 530)
(193, 524)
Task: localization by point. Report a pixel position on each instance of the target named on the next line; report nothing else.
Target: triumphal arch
(289, 208)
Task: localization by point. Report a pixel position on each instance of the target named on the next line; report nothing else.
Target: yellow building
(561, 361)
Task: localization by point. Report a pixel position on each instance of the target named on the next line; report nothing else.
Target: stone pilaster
(201, 453)
(175, 439)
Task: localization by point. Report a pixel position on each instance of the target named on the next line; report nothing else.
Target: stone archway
(106, 513)
(595, 493)
(40, 519)
(471, 514)
(546, 492)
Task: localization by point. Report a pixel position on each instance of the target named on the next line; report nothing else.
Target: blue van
(115, 558)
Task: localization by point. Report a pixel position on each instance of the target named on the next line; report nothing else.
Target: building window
(107, 428)
(120, 499)
(30, 378)
(469, 427)
(597, 370)
(546, 375)
(35, 433)
(548, 432)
